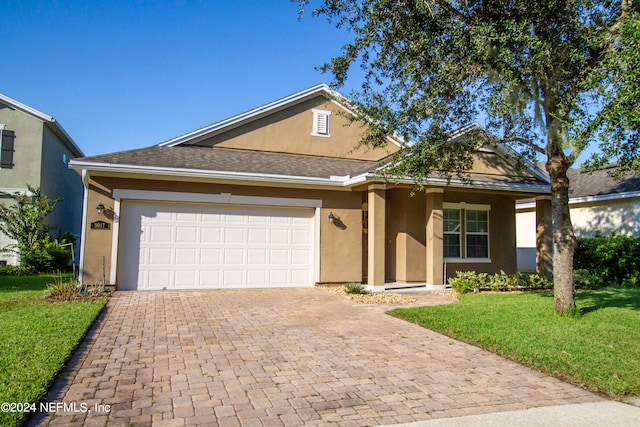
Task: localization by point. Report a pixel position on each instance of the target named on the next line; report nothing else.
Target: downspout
(83, 232)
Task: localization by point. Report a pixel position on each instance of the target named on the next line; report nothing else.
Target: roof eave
(333, 181)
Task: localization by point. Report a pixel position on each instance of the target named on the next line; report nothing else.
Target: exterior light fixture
(332, 217)
(100, 208)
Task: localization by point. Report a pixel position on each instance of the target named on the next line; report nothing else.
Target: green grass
(598, 348)
(36, 338)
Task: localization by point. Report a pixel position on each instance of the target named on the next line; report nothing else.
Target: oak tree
(550, 78)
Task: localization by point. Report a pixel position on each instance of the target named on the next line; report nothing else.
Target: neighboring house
(598, 203)
(279, 197)
(36, 151)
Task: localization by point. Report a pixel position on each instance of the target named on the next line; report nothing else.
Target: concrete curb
(594, 414)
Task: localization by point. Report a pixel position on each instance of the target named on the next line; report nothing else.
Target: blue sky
(120, 75)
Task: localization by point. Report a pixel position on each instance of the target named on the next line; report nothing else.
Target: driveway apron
(280, 357)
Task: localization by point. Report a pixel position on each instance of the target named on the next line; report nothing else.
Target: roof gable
(48, 121)
(289, 125)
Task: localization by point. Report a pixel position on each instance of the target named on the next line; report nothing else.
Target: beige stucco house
(278, 197)
(36, 151)
(598, 203)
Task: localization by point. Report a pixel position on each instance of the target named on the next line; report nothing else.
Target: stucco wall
(341, 248)
(620, 216)
(289, 131)
(60, 181)
(28, 149)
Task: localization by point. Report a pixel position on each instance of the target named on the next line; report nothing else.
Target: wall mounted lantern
(332, 217)
(100, 208)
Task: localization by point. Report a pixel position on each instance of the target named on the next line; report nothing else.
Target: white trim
(465, 205)
(316, 245)
(587, 199)
(83, 230)
(24, 191)
(222, 198)
(115, 237)
(467, 260)
(443, 182)
(198, 173)
(317, 115)
(219, 199)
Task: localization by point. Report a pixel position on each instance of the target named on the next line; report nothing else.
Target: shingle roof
(600, 183)
(235, 160)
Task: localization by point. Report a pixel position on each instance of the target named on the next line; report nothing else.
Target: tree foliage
(549, 77)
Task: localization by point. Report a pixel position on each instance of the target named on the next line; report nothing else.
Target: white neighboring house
(597, 202)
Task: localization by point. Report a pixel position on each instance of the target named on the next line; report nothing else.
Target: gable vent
(321, 123)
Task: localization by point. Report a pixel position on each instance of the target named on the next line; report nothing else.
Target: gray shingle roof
(600, 183)
(235, 160)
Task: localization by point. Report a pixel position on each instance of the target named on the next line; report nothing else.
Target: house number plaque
(100, 225)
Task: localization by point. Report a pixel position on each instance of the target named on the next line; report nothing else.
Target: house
(598, 203)
(36, 151)
(279, 197)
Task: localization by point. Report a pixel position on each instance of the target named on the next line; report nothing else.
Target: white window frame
(318, 117)
(463, 208)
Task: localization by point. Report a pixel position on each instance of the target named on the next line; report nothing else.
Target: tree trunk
(564, 239)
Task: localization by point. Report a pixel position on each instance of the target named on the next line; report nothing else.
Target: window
(452, 228)
(6, 156)
(465, 231)
(321, 123)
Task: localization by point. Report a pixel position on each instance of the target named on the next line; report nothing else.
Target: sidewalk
(593, 414)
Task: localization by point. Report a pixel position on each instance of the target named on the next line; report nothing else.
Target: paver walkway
(277, 357)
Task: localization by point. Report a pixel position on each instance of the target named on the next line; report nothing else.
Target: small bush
(16, 270)
(355, 288)
(61, 290)
(45, 256)
(470, 281)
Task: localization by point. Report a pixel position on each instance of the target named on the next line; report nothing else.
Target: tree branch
(525, 142)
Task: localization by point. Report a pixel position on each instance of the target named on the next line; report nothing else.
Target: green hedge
(608, 261)
(470, 281)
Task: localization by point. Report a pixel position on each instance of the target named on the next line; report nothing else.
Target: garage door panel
(157, 256)
(186, 235)
(192, 246)
(234, 235)
(211, 235)
(210, 257)
(186, 257)
(185, 279)
(158, 279)
(159, 234)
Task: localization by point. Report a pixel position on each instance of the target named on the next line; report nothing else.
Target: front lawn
(36, 338)
(598, 349)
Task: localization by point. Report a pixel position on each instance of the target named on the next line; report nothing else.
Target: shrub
(584, 279)
(46, 255)
(470, 281)
(615, 259)
(16, 270)
(355, 288)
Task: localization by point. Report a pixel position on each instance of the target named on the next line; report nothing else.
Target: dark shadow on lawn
(596, 300)
(589, 301)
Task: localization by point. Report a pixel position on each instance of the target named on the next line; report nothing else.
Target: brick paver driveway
(280, 357)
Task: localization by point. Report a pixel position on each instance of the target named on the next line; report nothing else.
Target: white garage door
(198, 246)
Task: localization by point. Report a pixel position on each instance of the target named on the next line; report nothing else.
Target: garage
(167, 245)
